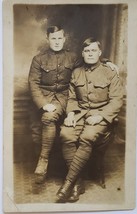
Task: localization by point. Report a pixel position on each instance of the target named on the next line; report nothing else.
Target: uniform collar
(91, 67)
(56, 52)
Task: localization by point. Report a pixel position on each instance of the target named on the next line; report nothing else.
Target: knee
(89, 137)
(66, 135)
(49, 117)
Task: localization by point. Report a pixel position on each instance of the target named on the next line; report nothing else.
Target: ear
(100, 52)
(46, 36)
(82, 54)
(64, 39)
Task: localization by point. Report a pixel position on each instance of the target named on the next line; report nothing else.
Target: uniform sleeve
(34, 83)
(72, 104)
(111, 110)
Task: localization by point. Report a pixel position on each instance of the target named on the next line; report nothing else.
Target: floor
(26, 191)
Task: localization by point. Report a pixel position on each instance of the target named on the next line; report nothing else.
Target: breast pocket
(48, 68)
(101, 91)
(66, 73)
(69, 66)
(48, 74)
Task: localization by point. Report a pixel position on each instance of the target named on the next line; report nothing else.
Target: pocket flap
(69, 66)
(101, 84)
(48, 68)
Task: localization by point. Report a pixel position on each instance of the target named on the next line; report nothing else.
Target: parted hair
(53, 29)
(90, 40)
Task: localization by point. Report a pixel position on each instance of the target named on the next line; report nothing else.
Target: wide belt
(56, 88)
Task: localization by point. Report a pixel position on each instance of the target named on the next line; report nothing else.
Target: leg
(88, 137)
(49, 120)
(36, 129)
(69, 137)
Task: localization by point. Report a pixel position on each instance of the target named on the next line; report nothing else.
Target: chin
(91, 62)
(57, 49)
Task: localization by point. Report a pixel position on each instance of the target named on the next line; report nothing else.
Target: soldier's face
(56, 40)
(91, 53)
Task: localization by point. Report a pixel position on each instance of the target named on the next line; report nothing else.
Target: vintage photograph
(68, 99)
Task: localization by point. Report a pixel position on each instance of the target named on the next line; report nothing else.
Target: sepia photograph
(69, 105)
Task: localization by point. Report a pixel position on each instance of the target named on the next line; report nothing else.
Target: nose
(90, 53)
(57, 41)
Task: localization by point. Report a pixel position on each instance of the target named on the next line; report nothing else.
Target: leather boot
(64, 192)
(41, 170)
(78, 189)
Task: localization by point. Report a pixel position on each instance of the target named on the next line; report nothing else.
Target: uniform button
(56, 84)
(89, 82)
(58, 65)
(57, 75)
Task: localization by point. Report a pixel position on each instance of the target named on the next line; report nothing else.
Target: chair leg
(102, 178)
(100, 169)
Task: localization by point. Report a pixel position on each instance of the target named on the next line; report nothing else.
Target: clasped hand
(70, 120)
(93, 120)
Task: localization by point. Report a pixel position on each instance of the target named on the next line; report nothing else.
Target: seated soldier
(95, 98)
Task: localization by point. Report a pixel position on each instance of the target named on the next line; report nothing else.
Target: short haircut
(90, 40)
(53, 29)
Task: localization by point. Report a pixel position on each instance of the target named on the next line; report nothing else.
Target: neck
(93, 65)
(56, 52)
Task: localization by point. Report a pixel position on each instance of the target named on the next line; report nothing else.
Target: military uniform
(94, 90)
(49, 79)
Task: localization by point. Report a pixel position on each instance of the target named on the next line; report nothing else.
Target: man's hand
(70, 120)
(49, 107)
(113, 67)
(93, 120)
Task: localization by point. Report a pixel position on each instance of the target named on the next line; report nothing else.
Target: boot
(41, 170)
(64, 192)
(78, 189)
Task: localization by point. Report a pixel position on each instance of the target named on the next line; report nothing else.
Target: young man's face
(91, 53)
(56, 40)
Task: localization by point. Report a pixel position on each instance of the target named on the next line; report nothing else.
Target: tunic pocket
(68, 66)
(101, 84)
(48, 68)
(101, 90)
(48, 74)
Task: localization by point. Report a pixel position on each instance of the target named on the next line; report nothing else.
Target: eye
(86, 51)
(94, 50)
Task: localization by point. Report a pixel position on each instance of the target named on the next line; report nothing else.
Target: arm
(111, 110)
(34, 83)
(72, 105)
